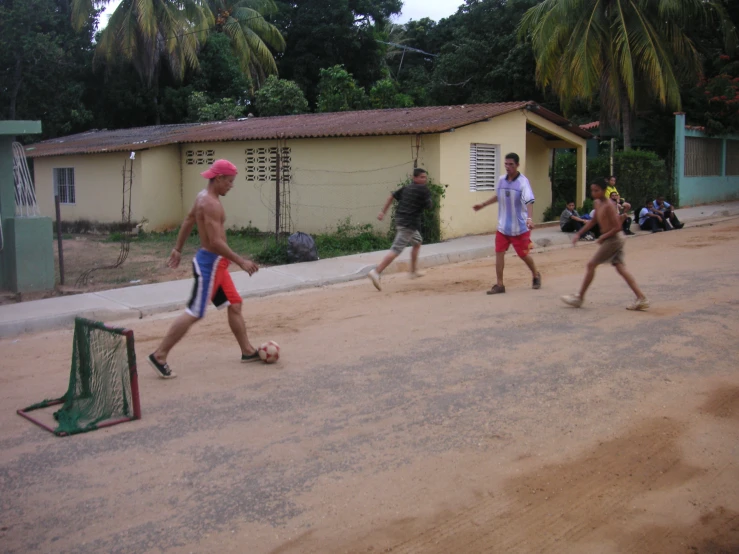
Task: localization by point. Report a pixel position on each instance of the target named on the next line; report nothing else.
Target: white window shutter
(483, 166)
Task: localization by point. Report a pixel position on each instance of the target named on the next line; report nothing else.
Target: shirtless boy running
(611, 250)
(210, 268)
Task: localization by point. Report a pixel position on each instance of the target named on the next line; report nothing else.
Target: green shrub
(273, 252)
(350, 238)
(248, 231)
(564, 182)
(639, 173)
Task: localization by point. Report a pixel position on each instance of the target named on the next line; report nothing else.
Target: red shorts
(521, 244)
(213, 283)
(224, 290)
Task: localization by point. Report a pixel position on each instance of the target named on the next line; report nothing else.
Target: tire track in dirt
(565, 503)
(591, 500)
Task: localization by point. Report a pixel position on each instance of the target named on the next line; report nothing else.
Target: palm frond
(252, 19)
(262, 56)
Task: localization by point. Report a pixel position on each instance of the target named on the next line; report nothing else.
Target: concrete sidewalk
(142, 300)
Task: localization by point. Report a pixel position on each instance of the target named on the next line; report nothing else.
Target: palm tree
(609, 48)
(394, 37)
(250, 34)
(147, 33)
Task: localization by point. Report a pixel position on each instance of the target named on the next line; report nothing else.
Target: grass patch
(351, 239)
(348, 238)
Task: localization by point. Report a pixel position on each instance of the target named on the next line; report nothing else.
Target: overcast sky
(435, 9)
(412, 9)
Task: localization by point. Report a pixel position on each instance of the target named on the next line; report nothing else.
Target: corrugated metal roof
(404, 121)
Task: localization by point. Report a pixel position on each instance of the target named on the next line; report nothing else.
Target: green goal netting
(103, 383)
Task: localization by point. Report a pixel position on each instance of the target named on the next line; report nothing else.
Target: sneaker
(588, 237)
(536, 282)
(416, 274)
(639, 304)
(246, 358)
(574, 300)
(375, 278)
(161, 369)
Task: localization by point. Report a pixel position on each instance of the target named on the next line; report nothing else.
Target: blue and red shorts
(212, 284)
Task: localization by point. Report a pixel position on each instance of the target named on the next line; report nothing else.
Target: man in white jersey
(515, 211)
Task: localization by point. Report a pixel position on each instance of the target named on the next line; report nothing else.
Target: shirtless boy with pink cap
(210, 268)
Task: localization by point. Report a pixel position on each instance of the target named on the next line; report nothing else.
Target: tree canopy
(173, 61)
(619, 51)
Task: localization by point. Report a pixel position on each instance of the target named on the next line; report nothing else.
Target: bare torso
(606, 215)
(210, 218)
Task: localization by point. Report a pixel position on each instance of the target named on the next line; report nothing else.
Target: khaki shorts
(404, 237)
(611, 250)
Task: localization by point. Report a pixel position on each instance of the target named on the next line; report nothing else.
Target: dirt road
(429, 418)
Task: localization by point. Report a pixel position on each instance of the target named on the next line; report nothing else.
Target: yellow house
(332, 165)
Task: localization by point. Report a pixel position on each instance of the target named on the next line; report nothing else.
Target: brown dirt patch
(723, 403)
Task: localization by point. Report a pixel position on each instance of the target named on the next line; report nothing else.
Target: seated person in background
(650, 220)
(610, 186)
(623, 212)
(571, 222)
(667, 212)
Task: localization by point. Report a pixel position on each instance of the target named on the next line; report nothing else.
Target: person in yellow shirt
(610, 187)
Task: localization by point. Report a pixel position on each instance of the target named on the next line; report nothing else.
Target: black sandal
(162, 369)
(246, 358)
(497, 289)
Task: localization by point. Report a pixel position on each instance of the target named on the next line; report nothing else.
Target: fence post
(679, 161)
(59, 236)
(277, 192)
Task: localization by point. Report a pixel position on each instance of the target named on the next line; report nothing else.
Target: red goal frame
(133, 373)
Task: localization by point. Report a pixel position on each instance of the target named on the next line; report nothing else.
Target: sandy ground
(429, 418)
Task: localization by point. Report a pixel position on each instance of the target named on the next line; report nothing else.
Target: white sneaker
(375, 278)
(640, 304)
(416, 274)
(573, 300)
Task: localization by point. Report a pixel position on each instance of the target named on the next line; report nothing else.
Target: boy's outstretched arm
(493, 200)
(386, 207)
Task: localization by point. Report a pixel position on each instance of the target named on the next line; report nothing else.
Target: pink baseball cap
(220, 167)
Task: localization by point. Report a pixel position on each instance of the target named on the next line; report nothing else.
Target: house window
(200, 157)
(64, 184)
(483, 166)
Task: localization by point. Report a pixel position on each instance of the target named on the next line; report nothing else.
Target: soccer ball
(269, 352)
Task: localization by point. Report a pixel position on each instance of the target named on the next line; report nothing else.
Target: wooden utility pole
(277, 194)
(59, 235)
(612, 146)
(554, 174)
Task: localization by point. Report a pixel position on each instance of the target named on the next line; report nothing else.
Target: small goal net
(103, 383)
